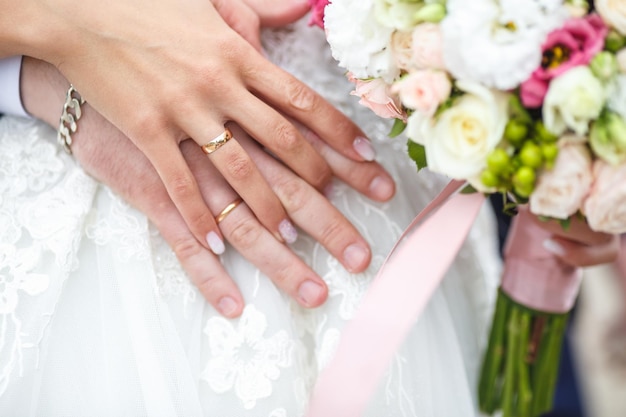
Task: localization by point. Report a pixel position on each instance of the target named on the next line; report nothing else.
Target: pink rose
(317, 12)
(576, 43)
(605, 208)
(427, 46)
(423, 90)
(376, 96)
(560, 192)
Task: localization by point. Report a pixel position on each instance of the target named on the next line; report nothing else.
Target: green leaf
(418, 154)
(565, 224)
(398, 127)
(468, 189)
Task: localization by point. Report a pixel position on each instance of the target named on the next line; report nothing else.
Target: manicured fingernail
(287, 231)
(215, 243)
(364, 147)
(227, 306)
(310, 292)
(355, 256)
(381, 188)
(554, 247)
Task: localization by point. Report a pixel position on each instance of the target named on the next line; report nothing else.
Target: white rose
(573, 100)
(358, 41)
(560, 191)
(605, 208)
(459, 140)
(614, 13)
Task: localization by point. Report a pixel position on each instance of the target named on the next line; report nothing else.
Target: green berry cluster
(527, 149)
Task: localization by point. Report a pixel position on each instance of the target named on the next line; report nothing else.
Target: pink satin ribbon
(533, 276)
(393, 303)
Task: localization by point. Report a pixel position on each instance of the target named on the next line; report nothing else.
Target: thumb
(241, 18)
(273, 13)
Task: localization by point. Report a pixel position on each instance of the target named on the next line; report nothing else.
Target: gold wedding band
(227, 210)
(218, 142)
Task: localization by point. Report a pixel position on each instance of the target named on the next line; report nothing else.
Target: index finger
(295, 99)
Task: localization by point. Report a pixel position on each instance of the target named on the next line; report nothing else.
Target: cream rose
(423, 90)
(573, 100)
(560, 192)
(605, 208)
(401, 46)
(614, 13)
(459, 140)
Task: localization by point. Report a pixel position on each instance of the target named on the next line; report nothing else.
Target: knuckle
(240, 166)
(181, 186)
(300, 96)
(186, 248)
(323, 177)
(332, 231)
(245, 233)
(293, 194)
(288, 136)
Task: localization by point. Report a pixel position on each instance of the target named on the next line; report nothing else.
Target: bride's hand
(163, 73)
(106, 154)
(578, 245)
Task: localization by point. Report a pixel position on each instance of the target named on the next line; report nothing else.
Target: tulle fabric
(98, 319)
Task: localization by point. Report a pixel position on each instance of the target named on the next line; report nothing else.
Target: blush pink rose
(605, 207)
(427, 46)
(560, 192)
(375, 95)
(576, 43)
(423, 90)
(317, 12)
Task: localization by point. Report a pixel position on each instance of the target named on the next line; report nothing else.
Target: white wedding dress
(97, 318)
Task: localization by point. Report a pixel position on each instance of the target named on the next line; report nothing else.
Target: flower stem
(489, 390)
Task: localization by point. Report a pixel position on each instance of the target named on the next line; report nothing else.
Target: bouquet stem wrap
(537, 293)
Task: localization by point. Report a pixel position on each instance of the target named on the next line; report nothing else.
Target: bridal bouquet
(526, 98)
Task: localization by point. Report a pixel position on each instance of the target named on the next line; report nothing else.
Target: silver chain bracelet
(69, 119)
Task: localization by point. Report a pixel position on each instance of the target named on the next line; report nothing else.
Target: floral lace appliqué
(242, 358)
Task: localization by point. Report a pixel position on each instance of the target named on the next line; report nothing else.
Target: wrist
(43, 89)
(42, 32)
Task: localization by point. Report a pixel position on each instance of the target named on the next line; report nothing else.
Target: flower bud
(604, 65)
(608, 138)
(524, 181)
(549, 151)
(614, 41)
(498, 161)
(515, 132)
(543, 134)
(489, 178)
(531, 155)
(433, 13)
